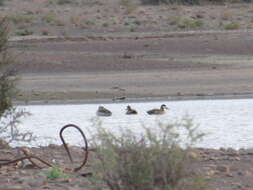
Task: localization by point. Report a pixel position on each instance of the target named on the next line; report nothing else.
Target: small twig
(29, 157)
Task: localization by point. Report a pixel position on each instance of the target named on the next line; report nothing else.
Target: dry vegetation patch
(83, 16)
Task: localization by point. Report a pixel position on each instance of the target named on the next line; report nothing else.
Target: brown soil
(167, 67)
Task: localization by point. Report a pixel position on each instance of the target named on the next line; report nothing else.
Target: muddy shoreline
(133, 100)
(193, 67)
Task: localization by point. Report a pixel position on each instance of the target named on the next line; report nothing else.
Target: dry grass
(227, 14)
(153, 160)
(190, 24)
(20, 18)
(129, 5)
(107, 16)
(52, 19)
(232, 26)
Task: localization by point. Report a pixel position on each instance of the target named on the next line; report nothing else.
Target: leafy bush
(24, 32)
(7, 71)
(232, 26)
(51, 18)
(20, 19)
(190, 24)
(9, 115)
(153, 160)
(56, 173)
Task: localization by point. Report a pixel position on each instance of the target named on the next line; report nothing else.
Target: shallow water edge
(227, 122)
(137, 99)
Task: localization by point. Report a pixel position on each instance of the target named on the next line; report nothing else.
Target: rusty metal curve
(29, 157)
(66, 146)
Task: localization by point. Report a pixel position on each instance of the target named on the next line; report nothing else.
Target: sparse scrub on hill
(190, 24)
(188, 2)
(152, 160)
(158, 2)
(51, 18)
(20, 19)
(60, 2)
(232, 26)
(174, 20)
(23, 32)
(63, 2)
(129, 5)
(9, 115)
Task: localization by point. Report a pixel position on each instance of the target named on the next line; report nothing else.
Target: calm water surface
(228, 123)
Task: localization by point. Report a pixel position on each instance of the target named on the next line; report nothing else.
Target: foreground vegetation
(9, 115)
(154, 159)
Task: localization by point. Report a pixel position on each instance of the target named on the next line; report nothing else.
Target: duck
(102, 111)
(158, 111)
(131, 111)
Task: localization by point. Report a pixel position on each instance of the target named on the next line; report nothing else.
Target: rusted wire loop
(29, 156)
(66, 146)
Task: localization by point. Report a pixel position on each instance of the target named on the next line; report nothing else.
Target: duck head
(163, 107)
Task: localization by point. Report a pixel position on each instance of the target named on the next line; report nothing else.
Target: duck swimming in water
(158, 111)
(102, 111)
(131, 111)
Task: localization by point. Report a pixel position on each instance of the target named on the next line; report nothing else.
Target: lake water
(227, 123)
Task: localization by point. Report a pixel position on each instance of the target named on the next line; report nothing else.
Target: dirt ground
(216, 65)
(111, 50)
(223, 169)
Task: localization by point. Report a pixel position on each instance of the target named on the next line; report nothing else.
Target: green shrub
(89, 22)
(153, 160)
(49, 18)
(24, 32)
(20, 19)
(232, 26)
(7, 71)
(59, 2)
(190, 24)
(9, 115)
(63, 2)
(56, 173)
